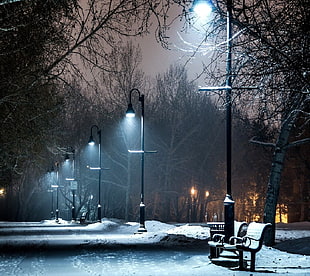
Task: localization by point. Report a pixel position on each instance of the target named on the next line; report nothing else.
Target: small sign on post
(73, 185)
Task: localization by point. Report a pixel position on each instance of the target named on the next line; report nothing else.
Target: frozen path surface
(135, 262)
(112, 248)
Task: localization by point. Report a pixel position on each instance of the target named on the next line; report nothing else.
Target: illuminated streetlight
(67, 157)
(228, 201)
(57, 191)
(91, 142)
(202, 8)
(73, 182)
(129, 114)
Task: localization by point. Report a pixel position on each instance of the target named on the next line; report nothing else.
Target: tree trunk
(275, 178)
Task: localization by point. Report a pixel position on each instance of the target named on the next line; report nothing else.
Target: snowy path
(135, 262)
(105, 262)
(117, 251)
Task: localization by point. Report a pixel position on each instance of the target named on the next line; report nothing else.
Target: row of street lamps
(56, 183)
(228, 202)
(129, 114)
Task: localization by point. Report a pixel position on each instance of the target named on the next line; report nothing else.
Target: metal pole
(142, 205)
(91, 142)
(52, 210)
(73, 191)
(57, 193)
(73, 205)
(228, 202)
(99, 184)
(130, 112)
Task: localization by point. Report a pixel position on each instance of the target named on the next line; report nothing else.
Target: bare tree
(45, 44)
(271, 54)
(184, 128)
(125, 74)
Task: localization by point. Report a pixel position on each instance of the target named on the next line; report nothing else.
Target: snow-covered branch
(298, 143)
(253, 141)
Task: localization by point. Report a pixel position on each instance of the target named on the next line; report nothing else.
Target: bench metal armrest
(235, 240)
(246, 241)
(218, 238)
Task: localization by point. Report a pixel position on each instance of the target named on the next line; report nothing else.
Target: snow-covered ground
(113, 248)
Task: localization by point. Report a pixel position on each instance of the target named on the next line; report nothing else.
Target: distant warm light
(255, 217)
(2, 192)
(282, 213)
(207, 194)
(193, 191)
(254, 197)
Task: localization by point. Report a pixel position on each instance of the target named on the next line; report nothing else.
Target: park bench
(83, 218)
(217, 243)
(252, 242)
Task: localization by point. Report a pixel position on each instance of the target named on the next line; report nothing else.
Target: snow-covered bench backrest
(255, 233)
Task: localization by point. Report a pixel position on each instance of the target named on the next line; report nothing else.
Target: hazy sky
(157, 59)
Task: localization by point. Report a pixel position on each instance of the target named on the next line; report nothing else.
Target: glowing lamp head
(202, 8)
(91, 141)
(130, 111)
(67, 158)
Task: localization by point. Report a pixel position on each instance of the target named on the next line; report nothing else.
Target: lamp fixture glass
(202, 8)
(67, 158)
(130, 111)
(91, 140)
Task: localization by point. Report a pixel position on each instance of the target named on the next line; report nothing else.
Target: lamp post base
(57, 215)
(73, 214)
(229, 217)
(99, 213)
(142, 228)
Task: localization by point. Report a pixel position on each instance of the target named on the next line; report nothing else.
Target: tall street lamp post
(73, 182)
(228, 202)
(91, 141)
(131, 113)
(57, 192)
